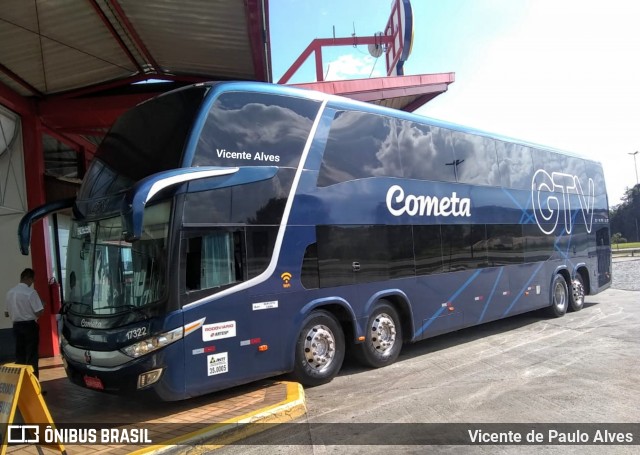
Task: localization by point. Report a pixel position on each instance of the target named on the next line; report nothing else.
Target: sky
(560, 73)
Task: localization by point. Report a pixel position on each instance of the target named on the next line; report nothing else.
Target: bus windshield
(107, 275)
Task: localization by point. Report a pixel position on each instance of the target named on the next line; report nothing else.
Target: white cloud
(565, 77)
(350, 66)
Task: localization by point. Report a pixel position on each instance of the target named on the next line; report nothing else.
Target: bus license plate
(93, 383)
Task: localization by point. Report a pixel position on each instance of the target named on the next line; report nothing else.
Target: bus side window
(516, 165)
(215, 260)
(476, 159)
(194, 255)
(426, 152)
(238, 256)
(360, 145)
(310, 276)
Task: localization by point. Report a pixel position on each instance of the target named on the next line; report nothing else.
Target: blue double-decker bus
(228, 232)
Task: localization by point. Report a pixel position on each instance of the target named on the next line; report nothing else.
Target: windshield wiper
(67, 306)
(126, 309)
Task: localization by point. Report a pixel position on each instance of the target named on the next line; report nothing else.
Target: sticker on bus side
(265, 305)
(203, 350)
(217, 363)
(250, 342)
(218, 330)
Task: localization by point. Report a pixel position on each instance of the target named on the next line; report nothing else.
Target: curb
(235, 429)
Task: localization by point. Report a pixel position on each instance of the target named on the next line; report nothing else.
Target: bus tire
(383, 338)
(320, 349)
(576, 298)
(559, 296)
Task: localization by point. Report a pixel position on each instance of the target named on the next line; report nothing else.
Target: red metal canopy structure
(69, 68)
(76, 63)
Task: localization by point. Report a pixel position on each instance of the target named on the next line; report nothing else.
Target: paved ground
(627, 273)
(581, 368)
(171, 426)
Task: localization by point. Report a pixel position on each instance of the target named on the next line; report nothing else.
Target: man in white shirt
(24, 307)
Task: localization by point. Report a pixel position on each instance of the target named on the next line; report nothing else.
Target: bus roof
(347, 103)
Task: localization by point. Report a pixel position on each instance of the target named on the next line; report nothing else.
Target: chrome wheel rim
(383, 334)
(577, 290)
(560, 296)
(319, 347)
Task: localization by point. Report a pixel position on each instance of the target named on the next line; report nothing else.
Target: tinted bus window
(464, 247)
(538, 246)
(428, 249)
(359, 145)
(260, 202)
(260, 241)
(476, 161)
(310, 276)
(150, 137)
(505, 244)
(222, 257)
(400, 244)
(371, 251)
(335, 256)
(214, 260)
(255, 129)
(579, 240)
(364, 254)
(594, 171)
(550, 162)
(426, 152)
(576, 166)
(516, 165)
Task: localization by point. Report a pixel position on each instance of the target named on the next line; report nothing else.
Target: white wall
(13, 205)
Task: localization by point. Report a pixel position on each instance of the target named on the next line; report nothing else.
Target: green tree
(617, 239)
(625, 217)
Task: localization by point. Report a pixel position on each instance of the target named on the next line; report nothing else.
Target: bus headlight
(153, 343)
(148, 378)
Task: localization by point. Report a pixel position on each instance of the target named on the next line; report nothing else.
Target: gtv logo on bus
(548, 205)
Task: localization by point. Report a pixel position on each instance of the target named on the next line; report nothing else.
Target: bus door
(235, 325)
(603, 255)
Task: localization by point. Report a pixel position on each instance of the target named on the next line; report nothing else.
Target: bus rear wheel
(319, 349)
(559, 297)
(383, 340)
(576, 302)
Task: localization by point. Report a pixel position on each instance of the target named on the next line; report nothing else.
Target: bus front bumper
(94, 372)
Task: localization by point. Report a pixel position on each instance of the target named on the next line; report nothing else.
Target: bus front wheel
(559, 296)
(576, 302)
(319, 349)
(383, 340)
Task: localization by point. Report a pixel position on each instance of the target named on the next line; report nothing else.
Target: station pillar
(40, 251)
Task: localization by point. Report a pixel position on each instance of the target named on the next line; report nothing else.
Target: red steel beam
(317, 44)
(257, 24)
(393, 57)
(410, 85)
(14, 101)
(20, 81)
(115, 35)
(128, 26)
(74, 141)
(40, 248)
(424, 86)
(186, 78)
(422, 100)
(86, 114)
(102, 86)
